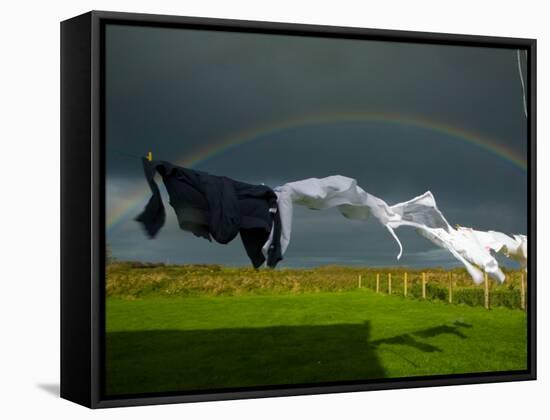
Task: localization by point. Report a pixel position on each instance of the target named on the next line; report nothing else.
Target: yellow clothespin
(150, 156)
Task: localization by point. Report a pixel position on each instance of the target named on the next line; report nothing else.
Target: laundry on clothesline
(219, 207)
(420, 213)
(423, 214)
(513, 247)
(214, 207)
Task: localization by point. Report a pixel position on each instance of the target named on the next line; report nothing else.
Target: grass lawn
(162, 344)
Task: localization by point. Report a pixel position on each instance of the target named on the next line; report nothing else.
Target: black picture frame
(83, 206)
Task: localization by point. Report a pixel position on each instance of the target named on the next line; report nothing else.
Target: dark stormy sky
(176, 91)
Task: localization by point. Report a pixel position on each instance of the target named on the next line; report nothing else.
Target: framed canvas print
(255, 209)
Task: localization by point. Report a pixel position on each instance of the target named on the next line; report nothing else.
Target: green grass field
(181, 343)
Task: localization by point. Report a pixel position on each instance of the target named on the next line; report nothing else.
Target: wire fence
(452, 287)
(137, 279)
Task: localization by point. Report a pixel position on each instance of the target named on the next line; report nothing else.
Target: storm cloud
(177, 91)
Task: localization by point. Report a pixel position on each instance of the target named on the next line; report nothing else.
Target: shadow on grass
(176, 360)
(442, 329)
(409, 340)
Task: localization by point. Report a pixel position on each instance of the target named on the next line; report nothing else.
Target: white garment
(333, 191)
(471, 248)
(422, 213)
(512, 247)
(520, 252)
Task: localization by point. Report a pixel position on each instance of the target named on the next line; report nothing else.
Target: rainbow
(137, 199)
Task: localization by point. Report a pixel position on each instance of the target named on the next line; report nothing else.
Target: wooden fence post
(450, 287)
(377, 282)
(389, 283)
(486, 291)
(423, 285)
(522, 279)
(405, 284)
(359, 281)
